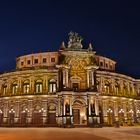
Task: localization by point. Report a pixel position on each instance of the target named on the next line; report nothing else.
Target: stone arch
(51, 112)
(52, 85)
(25, 86)
(79, 107)
(38, 84)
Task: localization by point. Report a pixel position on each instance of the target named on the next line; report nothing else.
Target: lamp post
(43, 115)
(11, 116)
(131, 115)
(24, 119)
(121, 116)
(138, 116)
(110, 113)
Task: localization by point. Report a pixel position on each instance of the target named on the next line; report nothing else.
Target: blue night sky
(112, 26)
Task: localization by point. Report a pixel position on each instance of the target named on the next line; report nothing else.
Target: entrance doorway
(51, 118)
(37, 118)
(11, 119)
(51, 115)
(79, 113)
(75, 86)
(76, 116)
(23, 118)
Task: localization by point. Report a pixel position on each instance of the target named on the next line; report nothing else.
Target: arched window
(107, 87)
(5, 89)
(131, 90)
(14, 88)
(116, 88)
(52, 86)
(125, 89)
(38, 86)
(26, 87)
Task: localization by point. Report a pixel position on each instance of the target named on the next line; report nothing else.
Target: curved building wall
(47, 59)
(71, 87)
(105, 63)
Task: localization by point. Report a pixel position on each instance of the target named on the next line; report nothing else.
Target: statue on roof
(75, 41)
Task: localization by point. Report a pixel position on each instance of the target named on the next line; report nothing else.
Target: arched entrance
(37, 118)
(24, 116)
(51, 114)
(121, 116)
(110, 116)
(11, 117)
(79, 113)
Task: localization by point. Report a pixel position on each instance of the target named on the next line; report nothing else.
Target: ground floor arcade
(68, 109)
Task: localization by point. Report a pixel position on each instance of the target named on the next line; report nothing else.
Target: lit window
(22, 63)
(111, 67)
(106, 65)
(38, 86)
(44, 60)
(14, 89)
(52, 86)
(125, 89)
(101, 64)
(107, 87)
(52, 59)
(26, 87)
(36, 61)
(116, 88)
(28, 62)
(4, 89)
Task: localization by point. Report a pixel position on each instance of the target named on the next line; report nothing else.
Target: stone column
(87, 78)
(116, 110)
(17, 112)
(92, 76)
(30, 106)
(105, 110)
(64, 77)
(90, 119)
(96, 107)
(20, 90)
(67, 78)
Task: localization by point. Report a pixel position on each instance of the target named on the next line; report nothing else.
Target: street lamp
(110, 111)
(43, 113)
(12, 116)
(131, 112)
(121, 114)
(138, 115)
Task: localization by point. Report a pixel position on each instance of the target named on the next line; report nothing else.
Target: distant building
(70, 87)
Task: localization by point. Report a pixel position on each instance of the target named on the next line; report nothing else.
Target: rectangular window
(22, 63)
(101, 64)
(44, 60)
(28, 62)
(52, 59)
(36, 61)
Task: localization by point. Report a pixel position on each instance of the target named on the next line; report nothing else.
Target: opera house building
(70, 87)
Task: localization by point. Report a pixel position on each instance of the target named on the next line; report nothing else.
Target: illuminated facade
(67, 88)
